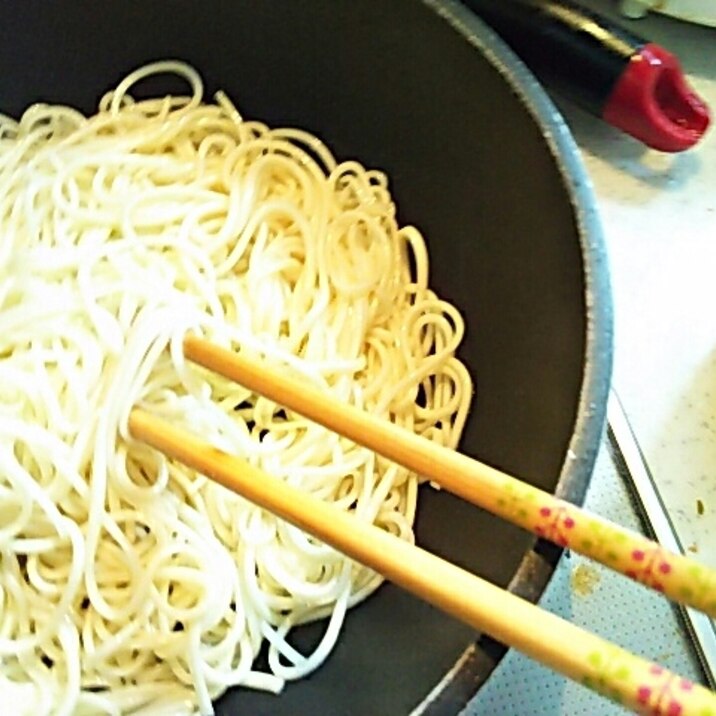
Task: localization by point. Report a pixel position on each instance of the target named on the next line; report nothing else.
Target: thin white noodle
(129, 584)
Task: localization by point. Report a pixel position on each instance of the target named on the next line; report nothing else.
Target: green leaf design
(601, 542)
(701, 586)
(517, 499)
(608, 667)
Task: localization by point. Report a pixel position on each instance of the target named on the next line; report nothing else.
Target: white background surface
(659, 218)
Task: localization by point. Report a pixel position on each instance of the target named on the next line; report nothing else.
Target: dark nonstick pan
(481, 161)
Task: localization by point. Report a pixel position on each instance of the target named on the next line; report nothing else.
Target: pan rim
(481, 658)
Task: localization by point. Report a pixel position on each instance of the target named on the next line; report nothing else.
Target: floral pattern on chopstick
(601, 542)
(664, 696)
(610, 674)
(632, 554)
(555, 524)
(517, 501)
(650, 566)
(699, 587)
(644, 687)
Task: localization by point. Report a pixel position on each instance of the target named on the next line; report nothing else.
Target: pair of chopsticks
(577, 654)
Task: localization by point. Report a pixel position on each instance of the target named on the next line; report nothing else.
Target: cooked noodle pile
(129, 584)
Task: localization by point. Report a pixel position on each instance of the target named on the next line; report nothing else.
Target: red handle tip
(652, 102)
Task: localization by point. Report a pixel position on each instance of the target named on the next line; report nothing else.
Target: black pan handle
(629, 82)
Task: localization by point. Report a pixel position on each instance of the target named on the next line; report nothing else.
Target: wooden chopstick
(678, 577)
(560, 645)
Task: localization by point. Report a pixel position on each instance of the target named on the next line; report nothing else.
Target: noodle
(129, 584)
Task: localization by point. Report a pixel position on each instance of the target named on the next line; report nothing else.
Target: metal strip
(631, 463)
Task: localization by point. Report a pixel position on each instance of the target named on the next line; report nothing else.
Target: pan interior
(395, 86)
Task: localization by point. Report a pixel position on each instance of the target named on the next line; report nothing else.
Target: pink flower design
(663, 696)
(650, 566)
(555, 524)
(643, 695)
